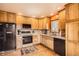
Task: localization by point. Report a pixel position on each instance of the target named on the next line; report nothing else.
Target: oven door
(27, 39)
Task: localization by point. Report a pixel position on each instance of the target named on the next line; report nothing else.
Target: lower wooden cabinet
(50, 43)
(35, 39)
(43, 40)
(71, 48)
(77, 50)
(47, 41)
(19, 42)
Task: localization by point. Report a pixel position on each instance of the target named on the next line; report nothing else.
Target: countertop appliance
(7, 36)
(59, 46)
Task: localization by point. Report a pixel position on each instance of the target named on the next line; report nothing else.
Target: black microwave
(27, 26)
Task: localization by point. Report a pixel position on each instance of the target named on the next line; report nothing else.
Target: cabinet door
(40, 24)
(72, 12)
(72, 34)
(71, 48)
(34, 23)
(76, 32)
(26, 20)
(69, 31)
(11, 17)
(61, 21)
(45, 23)
(3, 16)
(77, 50)
(73, 31)
(35, 39)
(44, 41)
(19, 19)
(18, 42)
(50, 43)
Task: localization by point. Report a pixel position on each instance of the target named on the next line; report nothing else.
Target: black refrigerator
(7, 36)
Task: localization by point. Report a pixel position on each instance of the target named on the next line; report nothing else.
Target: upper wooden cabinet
(72, 12)
(27, 20)
(61, 20)
(45, 23)
(42, 23)
(23, 20)
(7, 17)
(35, 23)
(19, 19)
(11, 17)
(55, 17)
(3, 16)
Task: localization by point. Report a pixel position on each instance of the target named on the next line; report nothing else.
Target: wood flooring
(41, 51)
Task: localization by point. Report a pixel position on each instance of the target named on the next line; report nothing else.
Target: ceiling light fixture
(33, 16)
(51, 14)
(42, 16)
(19, 13)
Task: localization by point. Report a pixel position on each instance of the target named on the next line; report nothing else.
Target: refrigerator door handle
(9, 32)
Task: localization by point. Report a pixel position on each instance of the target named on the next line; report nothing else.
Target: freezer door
(2, 36)
(10, 43)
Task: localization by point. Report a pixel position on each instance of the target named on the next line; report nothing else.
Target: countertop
(44, 35)
(54, 36)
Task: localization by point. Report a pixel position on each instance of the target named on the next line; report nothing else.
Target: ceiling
(32, 9)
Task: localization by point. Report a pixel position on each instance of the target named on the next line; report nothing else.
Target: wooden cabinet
(3, 16)
(11, 17)
(7, 17)
(26, 20)
(72, 12)
(71, 48)
(77, 50)
(73, 31)
(47, 41)
(61, 20)
(72, 38)
(55, 17)
(44, 23)
(50, 43)
(36, 39)
(19, 42)
(44, 41)
(40, 24)
(35, 23)
(19, 19)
